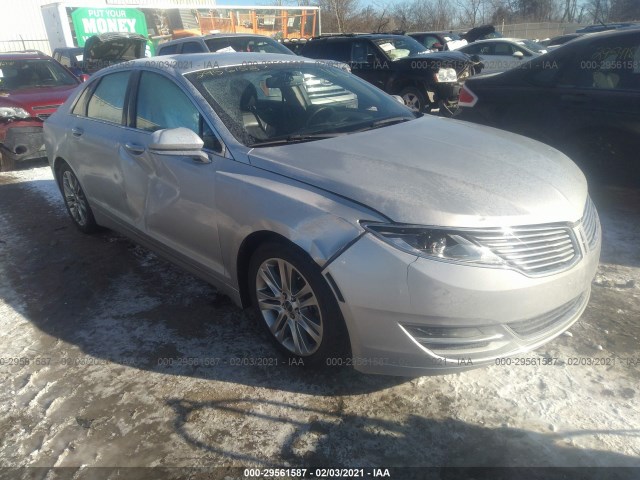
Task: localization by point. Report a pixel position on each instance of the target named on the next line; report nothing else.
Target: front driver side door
(172, 197)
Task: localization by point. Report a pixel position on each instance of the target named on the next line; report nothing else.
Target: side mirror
(371, 58)
(518, 55)
(178, 142)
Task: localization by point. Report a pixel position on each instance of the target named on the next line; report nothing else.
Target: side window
(473, 49)
(64, 60)
(162, 104)
(607, 64)
(80, 108)
(360, 51)
(168, 50)
(192, 47)
(501, 48)
(107, 101)
(429, 41)
(336, 50)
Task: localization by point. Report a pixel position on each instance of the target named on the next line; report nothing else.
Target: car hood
(39, 98)
(478, 32)
(110, 48)
(437, 171)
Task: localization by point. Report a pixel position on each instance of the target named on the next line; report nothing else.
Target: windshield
(246, 44)
(533, 46)
(29, 73)
(399, 46)
(267, 103)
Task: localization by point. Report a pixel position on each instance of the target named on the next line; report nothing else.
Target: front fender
(251, 200)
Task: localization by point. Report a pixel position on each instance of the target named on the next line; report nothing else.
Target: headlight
(434, 243)
(446, 75)
(13, 112)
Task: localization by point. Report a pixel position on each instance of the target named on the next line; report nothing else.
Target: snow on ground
(108, 314)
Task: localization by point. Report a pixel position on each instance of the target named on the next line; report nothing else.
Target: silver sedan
(356, 231)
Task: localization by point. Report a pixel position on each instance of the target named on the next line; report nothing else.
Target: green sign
(94, 21)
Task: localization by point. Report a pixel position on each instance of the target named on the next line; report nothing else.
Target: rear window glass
(107, 102)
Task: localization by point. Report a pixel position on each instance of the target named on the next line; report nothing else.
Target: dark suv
(32, 86)
(399, 65)
(583, 98)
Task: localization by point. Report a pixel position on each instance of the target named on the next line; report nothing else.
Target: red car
(32, 86)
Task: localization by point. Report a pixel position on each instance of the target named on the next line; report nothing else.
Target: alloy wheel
(74, 198)
(289, 307)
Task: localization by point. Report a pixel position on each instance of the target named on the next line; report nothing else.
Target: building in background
(46, 25)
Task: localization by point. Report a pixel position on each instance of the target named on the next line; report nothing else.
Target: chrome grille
(537, 250)
(539, 325)
(590, 224)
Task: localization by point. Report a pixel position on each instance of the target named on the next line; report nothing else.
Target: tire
(7, 162)
(307, 327)
(414, 99)
(76, 201)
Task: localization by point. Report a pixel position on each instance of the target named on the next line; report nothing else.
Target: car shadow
(323, 437)
(119, 302)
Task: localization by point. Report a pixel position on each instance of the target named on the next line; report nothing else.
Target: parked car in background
(107, 49)
(70, 57)
(439, 40)
(601, 27)
(583, 98)
(247, 43)
(366, 234)
(500, 54)
(399, 65)
(223, 43)
(32, 86)
(294, 44)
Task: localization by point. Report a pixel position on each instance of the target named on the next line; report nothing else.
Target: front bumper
(408, 315)
(23, 141)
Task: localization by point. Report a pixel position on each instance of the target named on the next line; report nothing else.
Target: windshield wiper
(385, 122)
(296, 139)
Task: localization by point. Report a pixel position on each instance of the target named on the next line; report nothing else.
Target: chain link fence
(533, 31)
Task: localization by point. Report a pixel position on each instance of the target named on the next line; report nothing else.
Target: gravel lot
(113, 357)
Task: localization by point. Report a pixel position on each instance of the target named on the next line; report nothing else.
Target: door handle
(77, 132)
(134, 148)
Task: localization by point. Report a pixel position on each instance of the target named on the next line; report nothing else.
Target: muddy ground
(89, 327)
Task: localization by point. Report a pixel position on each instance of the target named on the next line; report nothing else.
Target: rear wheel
(294, 303)
(76, 201)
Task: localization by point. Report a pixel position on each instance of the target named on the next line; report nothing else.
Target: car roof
(182, 64)
(448, 32)
(212, 35)
(26, 55)
(501, 39)
(371, 36)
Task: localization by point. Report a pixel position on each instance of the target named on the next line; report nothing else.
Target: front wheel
(76, 201)
(294, 303)
(414, 99)
(7, 162)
